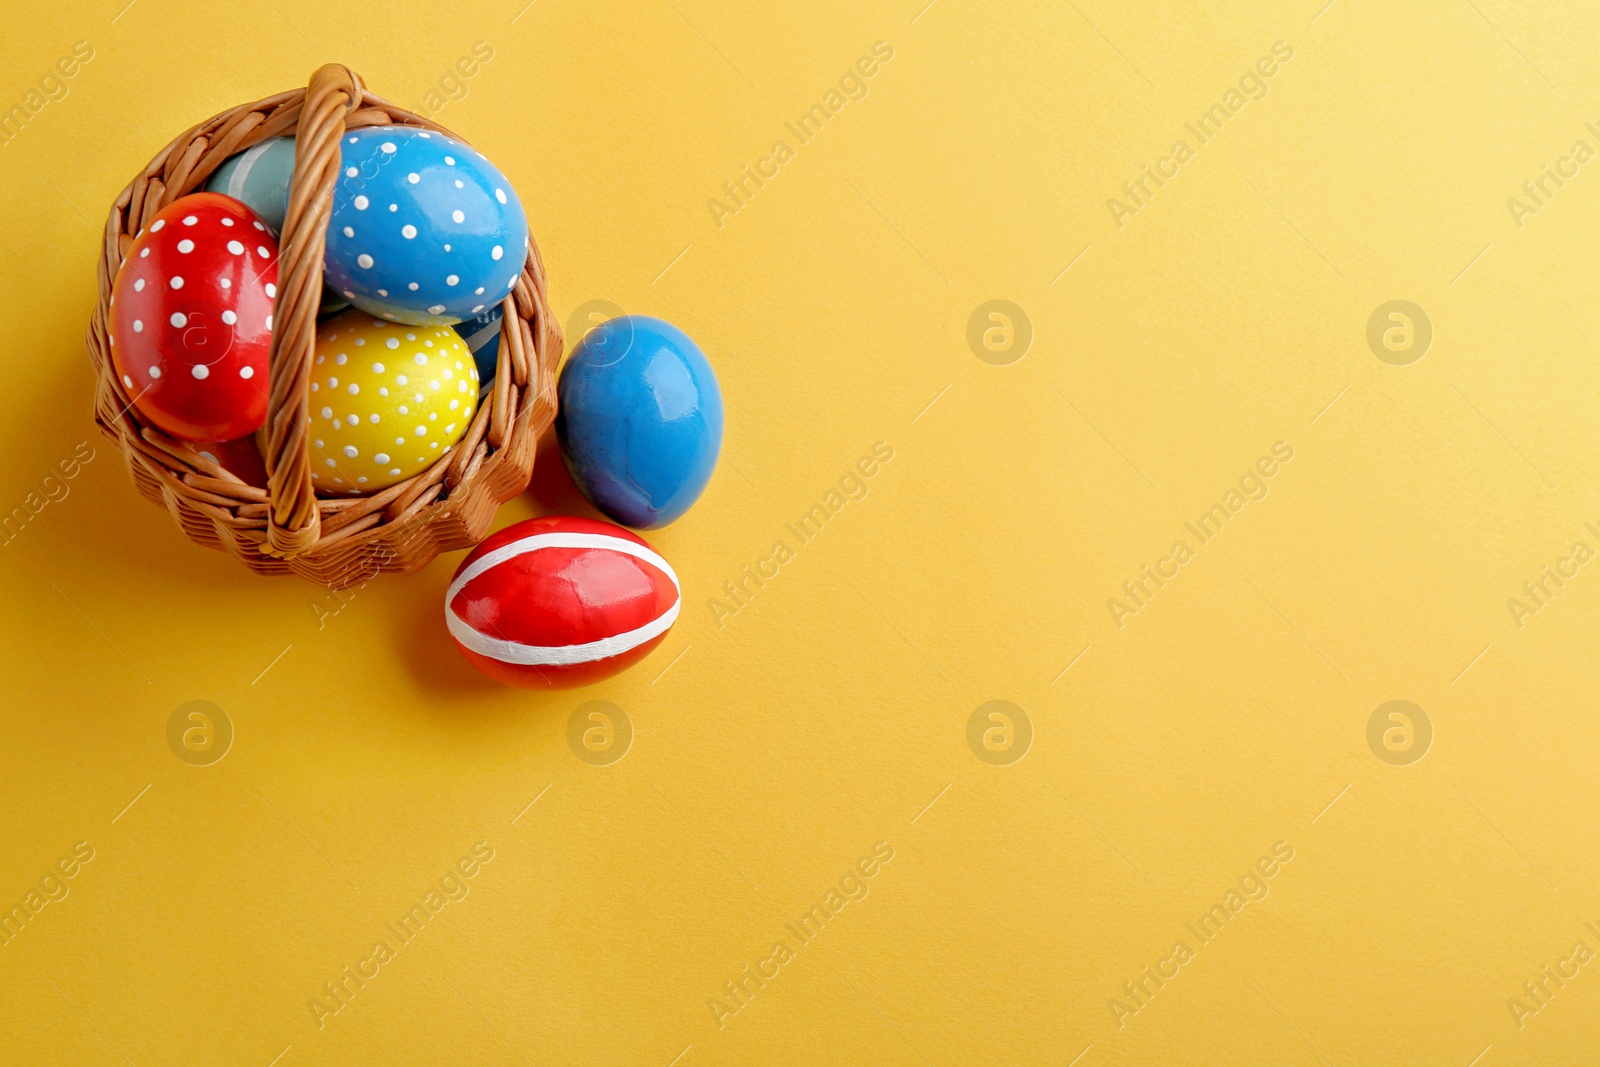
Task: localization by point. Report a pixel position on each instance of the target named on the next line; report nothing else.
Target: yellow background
(771, 752)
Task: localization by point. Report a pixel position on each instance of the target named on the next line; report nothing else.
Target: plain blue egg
(640, 420)
(424, 229)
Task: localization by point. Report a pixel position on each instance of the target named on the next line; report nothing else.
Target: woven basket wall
(286, 528)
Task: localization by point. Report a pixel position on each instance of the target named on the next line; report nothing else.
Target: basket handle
(293, 522)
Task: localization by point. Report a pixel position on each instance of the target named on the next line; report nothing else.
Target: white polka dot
(451, 428)
(176, 282)
(421, 359)
(351, 419)
(452, 279)
(261, 250)
(362, 480)
(401, 378)
(272, 290)
(436, 309)
(314, 387)
(458, 215)
(411, 337)
(354, 389)
(329, 462)
(364, 259)
(373, 418)
(351, 172)
(247, 372)
(269, 322)
(156, 226)
(393, 342)
(200, 371)
(461, 387)
(478, 291)
(351, 452)
(127, 381)
(227, 221)
(454, 404)
(433, 444)
(434, 385)
(394, 472)
(404, 411)
(138, 286)
(388, 147)
(178, 319)
(236, 248)
(408, 231)
(186, 245)
(421, 431)
(413, 177)
(190, 220)
(348, 294)
(333, 383)
(500, 195)
(412, 287)
(340, 359)
(497, 252)
(258, 226)
(383, 390)
(383, 292)
(352, 140)
(447, 248)
(394, 207)
(450, 160)
(138, 327)
(381, 457)
(349, 231)
(227, 284)
(477, 308)
(229, 317)
(155, 372)
(327, 413)
(418, 398)
(460, 184)
(361, 203)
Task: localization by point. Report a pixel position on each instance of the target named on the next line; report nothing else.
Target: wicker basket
(286, 527)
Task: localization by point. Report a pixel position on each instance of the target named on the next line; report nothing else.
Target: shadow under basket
(286, 528)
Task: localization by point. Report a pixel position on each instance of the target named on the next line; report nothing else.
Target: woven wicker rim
(286, 527)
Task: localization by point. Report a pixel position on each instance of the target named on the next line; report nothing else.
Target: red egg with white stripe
(191, 318)
(560, 602)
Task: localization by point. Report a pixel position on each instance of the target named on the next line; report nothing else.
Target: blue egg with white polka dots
(424, 229)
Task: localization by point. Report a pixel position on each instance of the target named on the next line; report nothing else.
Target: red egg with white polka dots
(191, 318)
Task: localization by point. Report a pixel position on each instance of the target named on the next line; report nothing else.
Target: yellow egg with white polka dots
(387, 401)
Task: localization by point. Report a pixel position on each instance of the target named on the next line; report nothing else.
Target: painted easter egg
(191, 318)
(482, 335)
(387, 400)
(424, 229)
(640, 420)
(259, 178)
(559, 602)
